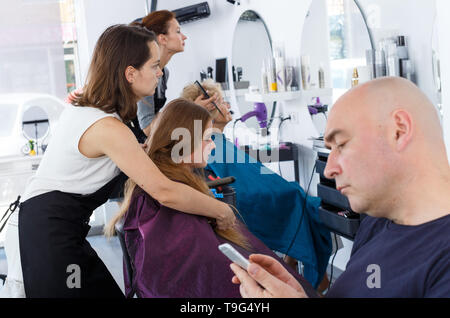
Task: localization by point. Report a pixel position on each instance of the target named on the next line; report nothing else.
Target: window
(349, 40)
(69, 33)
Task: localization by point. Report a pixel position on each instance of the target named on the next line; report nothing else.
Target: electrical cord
(234, 127)
(303, 209)
(279, 129)
(332, 261)
(272, 115)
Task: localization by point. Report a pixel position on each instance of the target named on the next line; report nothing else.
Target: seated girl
(277, 211)
(174, 254)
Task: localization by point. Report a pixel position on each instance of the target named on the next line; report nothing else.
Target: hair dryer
(260, 112)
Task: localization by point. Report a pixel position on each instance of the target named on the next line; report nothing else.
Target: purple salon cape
(176, 255)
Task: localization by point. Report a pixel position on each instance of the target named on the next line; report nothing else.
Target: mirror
(349, 39)
(436, 65)
(35, 125)
(335, 38)
(251, 46)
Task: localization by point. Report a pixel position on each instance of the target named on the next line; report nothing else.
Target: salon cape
(271, 207)
(176, 255)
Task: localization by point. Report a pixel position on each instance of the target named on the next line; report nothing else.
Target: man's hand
(266, 278)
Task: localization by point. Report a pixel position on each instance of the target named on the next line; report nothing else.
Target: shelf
(238, 92)
(282, 96)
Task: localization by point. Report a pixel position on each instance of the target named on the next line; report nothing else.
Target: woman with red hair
(171, 41)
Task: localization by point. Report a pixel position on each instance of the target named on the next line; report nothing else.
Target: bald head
(386, 146)
(376, 103)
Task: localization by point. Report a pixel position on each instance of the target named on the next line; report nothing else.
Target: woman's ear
(403, 129)
(161, 39)
(130, 74)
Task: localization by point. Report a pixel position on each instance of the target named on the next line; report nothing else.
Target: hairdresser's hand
(273, 279)
(226, 219)
(207, 102)
(70, 98)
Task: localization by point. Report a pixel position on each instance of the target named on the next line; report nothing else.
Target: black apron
(52, 235)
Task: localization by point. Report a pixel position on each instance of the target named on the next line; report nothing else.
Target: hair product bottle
(380, 65)
(402, 53)
(280, 72)
(321, 76)
(392, 61)
(271, 79)
(264, 85)
(370, 61)
(355, 77)
(306, 76)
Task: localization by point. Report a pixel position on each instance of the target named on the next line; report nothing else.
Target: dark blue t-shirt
(391, 260)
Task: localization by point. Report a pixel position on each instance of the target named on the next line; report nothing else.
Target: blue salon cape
(271, 207)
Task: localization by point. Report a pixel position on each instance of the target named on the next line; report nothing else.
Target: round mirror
(35, 124)
(349, 39)
(335, 39)
(251, 47)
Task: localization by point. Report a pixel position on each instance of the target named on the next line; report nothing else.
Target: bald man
(388, 157)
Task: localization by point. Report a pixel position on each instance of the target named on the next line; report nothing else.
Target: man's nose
(332, 168)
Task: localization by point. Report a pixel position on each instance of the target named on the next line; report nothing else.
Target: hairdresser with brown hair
(80, 168)
(171, 41)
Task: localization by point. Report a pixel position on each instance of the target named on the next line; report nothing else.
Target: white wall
(94, 16)
(443, 22)
(402, 18)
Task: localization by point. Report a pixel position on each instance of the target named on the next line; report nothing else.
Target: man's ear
(130, 74)
(403, 128)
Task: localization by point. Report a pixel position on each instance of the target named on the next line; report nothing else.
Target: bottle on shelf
(355, 77)
(264, 85)
(306, 76)
(271, 78)
(321, 77)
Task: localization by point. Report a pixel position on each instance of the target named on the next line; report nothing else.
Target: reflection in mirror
(35, 125)
(251, 46)
(349, 39)
(436, 68)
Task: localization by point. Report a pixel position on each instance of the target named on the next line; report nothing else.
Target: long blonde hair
(179, 113)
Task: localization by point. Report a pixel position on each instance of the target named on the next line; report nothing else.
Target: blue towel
(271, 207)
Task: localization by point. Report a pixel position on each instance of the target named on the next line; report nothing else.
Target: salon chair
(226, 193)
(229, 197)
(126, 257)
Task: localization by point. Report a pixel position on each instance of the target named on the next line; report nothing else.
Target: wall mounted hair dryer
(260, 112)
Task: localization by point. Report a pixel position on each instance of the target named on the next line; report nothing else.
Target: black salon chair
(126, 257)
(228, 192)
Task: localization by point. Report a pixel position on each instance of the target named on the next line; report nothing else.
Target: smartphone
(234, 255)
(207, 96)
